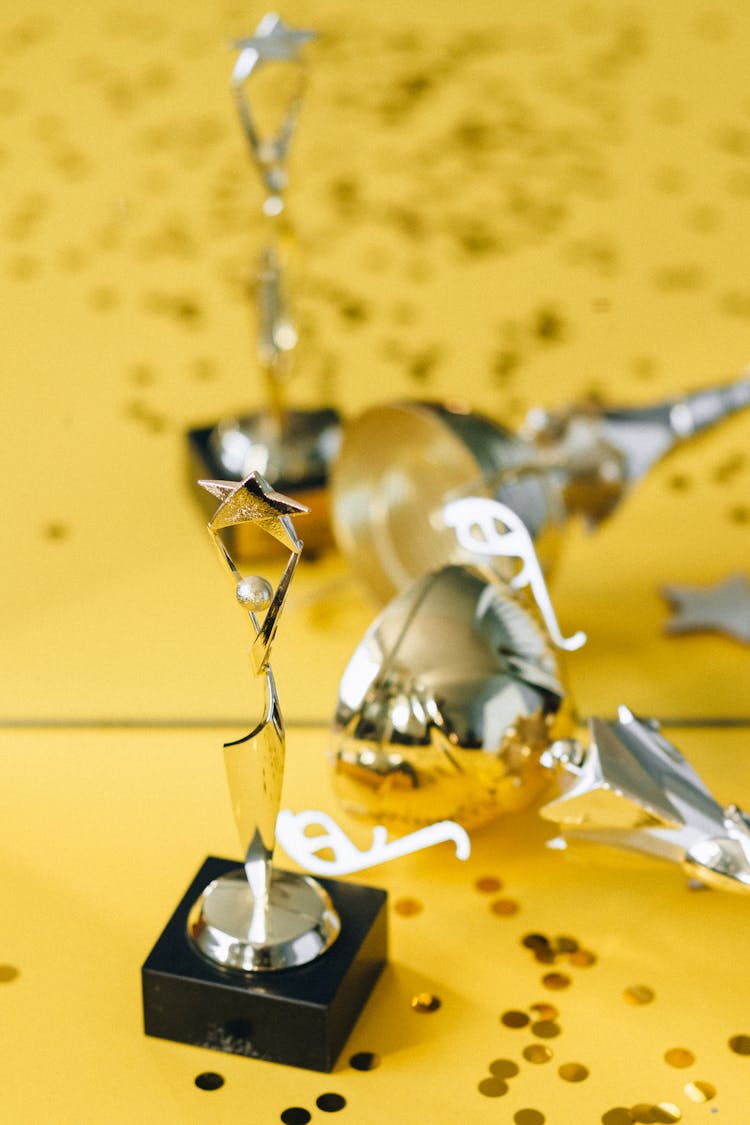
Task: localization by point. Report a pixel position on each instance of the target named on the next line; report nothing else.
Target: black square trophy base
(300, 1016)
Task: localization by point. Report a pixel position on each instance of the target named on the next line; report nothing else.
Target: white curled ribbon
(475, 521)
(347, 857)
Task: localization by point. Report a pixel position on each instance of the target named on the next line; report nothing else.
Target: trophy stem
(258, 871)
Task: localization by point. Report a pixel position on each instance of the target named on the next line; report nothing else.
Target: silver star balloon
(722, 608)
(631, 788)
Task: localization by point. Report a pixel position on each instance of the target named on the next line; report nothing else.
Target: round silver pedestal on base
(301, 923)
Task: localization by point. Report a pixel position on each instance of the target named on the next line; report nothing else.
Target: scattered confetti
(573, 1072)
(514, 1018)
(408, 907)
(364, 1060)
(556, 981)
(488, 884)
(638, 994)
(209, 1080)
(700, 1091)
(537, 1053)
(504, 907)
(330, 1103)
(503, 1068)
(425, 1002)
(679, 1057)
(493, 1087)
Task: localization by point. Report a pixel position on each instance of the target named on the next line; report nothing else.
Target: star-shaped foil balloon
(722, 608)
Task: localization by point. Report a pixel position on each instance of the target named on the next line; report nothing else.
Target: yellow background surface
(518, 205)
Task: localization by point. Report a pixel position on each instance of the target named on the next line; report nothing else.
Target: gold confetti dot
(582, 958)
(555, 981)
(565, 945)
(573, 1072)
(503, 1068)
(488, 884)
(740, 1044)
(504, 907)
(638, 994)
(407, 907)
(537, 1053)
(514, 1018)
(679, 1056)
(545, 955)
(665, 1113)
(425, 1002)
(617, 1116)
(493, 1087)
(8, 973)
(529, 1117)
(544, 1011)
(545, 1029)
(535, 941)
(649, 1114)
(55, 531)
(700, 1091)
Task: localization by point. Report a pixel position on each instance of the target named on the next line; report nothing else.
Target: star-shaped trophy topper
(254, 501)
(722, 608)
(273, 40)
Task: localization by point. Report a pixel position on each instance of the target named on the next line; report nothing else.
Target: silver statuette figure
(257, 917)
(401, 462)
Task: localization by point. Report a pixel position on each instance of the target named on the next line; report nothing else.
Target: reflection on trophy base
(300, 924)
(297, 1016)
(294, 455)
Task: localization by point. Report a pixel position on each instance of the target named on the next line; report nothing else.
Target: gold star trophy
(257, 960)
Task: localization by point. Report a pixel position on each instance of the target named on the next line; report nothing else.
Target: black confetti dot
(295, 1115)
(330, 1103)
(364, 1060)
(209, 1080)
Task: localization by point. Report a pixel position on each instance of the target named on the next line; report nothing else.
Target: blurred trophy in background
(292, 448)
(402, 462)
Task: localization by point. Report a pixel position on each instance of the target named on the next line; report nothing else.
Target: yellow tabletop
(514, 205)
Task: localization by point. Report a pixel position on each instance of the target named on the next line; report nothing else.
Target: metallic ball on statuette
(254, 593)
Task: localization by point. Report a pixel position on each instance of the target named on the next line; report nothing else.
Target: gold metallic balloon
(446, 706)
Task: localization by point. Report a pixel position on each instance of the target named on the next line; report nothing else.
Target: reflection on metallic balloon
(446, 706)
